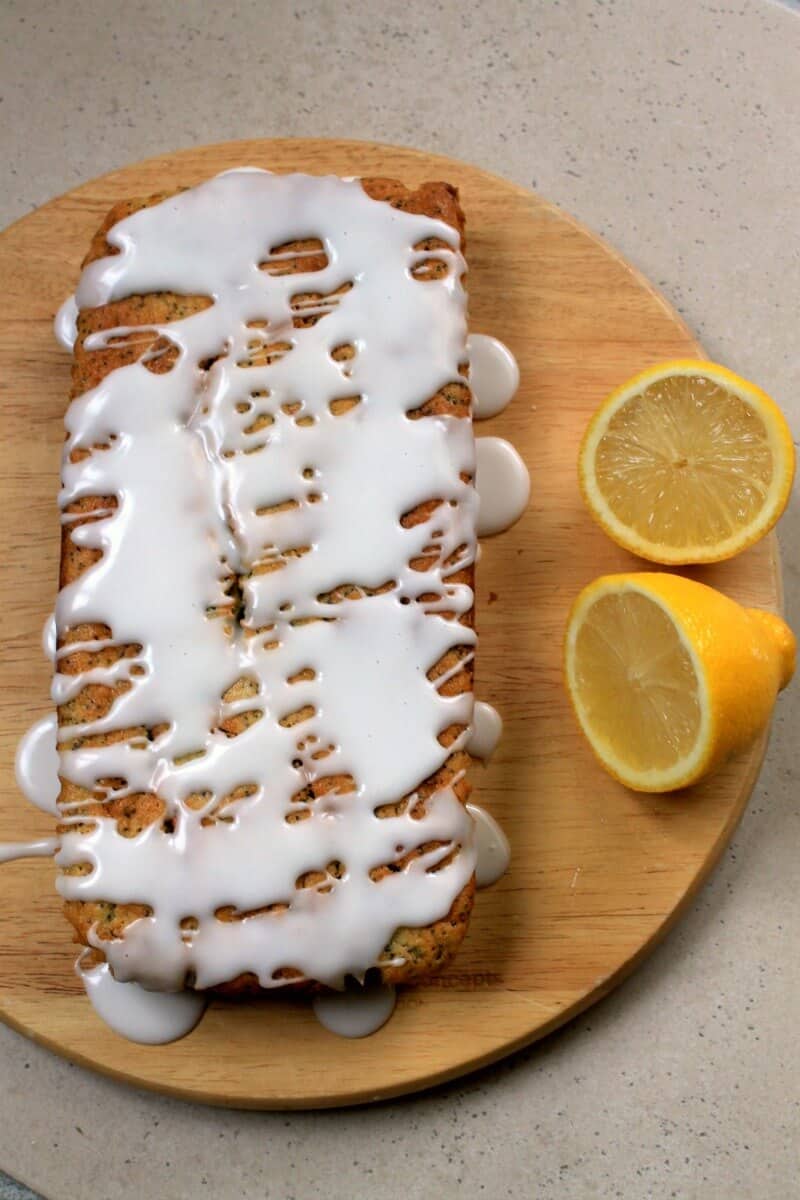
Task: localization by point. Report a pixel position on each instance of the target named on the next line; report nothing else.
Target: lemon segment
(669, 677)
(687, 462)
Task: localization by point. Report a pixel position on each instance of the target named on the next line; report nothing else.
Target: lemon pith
(687, 463)
(668, 677)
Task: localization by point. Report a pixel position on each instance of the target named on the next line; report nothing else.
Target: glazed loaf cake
(132, 783)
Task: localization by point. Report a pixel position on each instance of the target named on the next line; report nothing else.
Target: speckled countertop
(672, 128)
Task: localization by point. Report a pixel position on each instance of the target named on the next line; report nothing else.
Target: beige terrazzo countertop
(672, 129)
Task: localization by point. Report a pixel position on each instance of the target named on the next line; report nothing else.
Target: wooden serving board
(598, 873)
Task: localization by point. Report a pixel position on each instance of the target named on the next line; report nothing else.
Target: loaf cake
(265, 622)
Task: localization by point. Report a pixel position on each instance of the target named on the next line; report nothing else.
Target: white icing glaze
(36, 764)
(64, 326)
(49, 638)
(151, 1018)
(356, 1012)
(493, 375)
(493, 849)
(503, 484)
(10, 851)
(192, 500)
(487, 726)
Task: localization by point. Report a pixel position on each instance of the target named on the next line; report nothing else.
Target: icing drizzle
(493, 850)
(11, 851)
(151, 1018)
(357, 1011)
(485, 732)
(503, 484)
(36, 765)
(49, 638)
(493, 375)
(65, 324)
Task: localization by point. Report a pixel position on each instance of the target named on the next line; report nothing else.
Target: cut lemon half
(687, 463)
(669, 677)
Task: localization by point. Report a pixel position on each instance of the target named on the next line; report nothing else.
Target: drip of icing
(152, 1018)
(503, 484)
(494, 852)
(49, 638)
(357, 1011)
(10, 851)
(493, 375)
(487, 726)
(36, 764)
(65, 325)
(202, 494)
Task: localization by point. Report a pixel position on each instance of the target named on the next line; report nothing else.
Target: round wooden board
(598, 873)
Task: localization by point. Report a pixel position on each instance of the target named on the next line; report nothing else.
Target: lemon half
(687, 463)
(669, 677)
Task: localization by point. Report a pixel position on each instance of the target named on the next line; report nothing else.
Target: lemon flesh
(687, 463)
(635, 685)
(690, 457)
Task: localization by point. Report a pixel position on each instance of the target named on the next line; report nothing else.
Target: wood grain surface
(598, 873)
